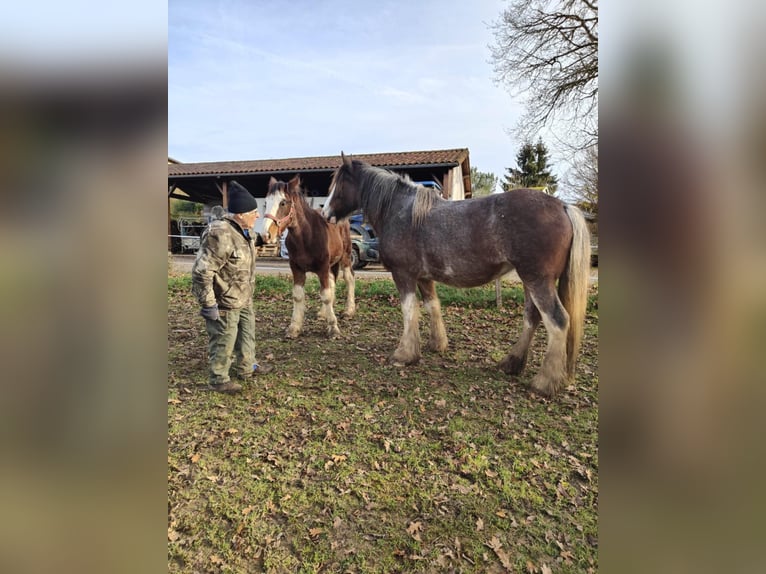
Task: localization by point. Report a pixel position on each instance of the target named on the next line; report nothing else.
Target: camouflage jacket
(224, 270)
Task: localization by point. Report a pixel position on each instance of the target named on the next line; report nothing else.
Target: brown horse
(424, 238)
(314, 245)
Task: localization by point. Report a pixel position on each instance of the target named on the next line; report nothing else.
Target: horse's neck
(377, 214)
(302, 217)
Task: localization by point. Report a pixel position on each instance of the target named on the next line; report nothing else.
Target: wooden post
(225, 194)
(498, 294)
(171, 188)
(170, 246)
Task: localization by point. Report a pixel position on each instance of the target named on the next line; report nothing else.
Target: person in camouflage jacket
(223, 279)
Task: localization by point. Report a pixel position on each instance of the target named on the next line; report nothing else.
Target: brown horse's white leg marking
(408, 351)
(327, 297)
(348, 277)
(299, 310)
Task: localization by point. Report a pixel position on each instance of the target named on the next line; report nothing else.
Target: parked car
(364, 242)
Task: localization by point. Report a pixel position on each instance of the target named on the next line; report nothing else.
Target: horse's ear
(346, 161)
(272, 180)
(294, 183)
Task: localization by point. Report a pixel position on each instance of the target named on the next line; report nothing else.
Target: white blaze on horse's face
(326, 211)
(270, 232)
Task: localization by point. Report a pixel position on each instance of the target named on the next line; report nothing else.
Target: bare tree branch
(582, 179)
(547, 50)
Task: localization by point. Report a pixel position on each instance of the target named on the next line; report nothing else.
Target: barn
(206, 182)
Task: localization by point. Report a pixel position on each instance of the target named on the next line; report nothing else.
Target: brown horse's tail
(345, 237)
(573, 285)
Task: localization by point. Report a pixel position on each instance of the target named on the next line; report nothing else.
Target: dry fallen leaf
(545, 569)
(195, 457)
(414, 530)
(314, 532)
(497, 547)
(479, 525)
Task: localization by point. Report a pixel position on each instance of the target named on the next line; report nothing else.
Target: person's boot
(229, 387)
(258, 369)
(262, 369)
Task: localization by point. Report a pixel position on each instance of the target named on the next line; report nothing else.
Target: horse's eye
(282, 203)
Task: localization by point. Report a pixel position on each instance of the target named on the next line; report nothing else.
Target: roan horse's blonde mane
(425, 197)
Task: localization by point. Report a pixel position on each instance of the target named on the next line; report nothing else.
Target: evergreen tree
(532, 169)
(482, 183)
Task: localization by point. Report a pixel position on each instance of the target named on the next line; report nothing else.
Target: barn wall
(453, 184)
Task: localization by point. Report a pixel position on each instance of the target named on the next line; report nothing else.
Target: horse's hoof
(396, 362)
(292, 333)
(512, 365)
(543, 387)
(332, 333)
(436, 348)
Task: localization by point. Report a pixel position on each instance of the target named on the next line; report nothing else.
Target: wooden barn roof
(197, 181)
(332, 162)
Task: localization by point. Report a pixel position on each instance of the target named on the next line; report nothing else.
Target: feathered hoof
(333, 332)
(292, 333)
(398, 361)
(436, 347)
(545, 387)
(512, 365)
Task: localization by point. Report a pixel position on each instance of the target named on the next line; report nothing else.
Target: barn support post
(223, 187)
(171, 189)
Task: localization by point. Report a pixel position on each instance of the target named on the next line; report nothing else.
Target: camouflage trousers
(231, 338)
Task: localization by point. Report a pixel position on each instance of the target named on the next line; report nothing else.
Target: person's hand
(210, 313)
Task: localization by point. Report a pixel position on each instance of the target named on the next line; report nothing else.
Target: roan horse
(425, 238)
(313, 245)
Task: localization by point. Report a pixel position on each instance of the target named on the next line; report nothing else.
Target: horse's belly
(471, 275)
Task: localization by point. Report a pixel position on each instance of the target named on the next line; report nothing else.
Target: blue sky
(278, 79)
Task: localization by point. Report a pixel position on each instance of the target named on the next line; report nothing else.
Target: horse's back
(470, 242)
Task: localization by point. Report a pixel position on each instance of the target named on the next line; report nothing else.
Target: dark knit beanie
(240, 200)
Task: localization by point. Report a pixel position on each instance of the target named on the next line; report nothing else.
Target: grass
(339, 462)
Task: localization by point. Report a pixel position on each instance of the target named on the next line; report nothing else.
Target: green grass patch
(339, 462)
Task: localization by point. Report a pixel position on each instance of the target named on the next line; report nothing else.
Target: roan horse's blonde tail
(573, 285)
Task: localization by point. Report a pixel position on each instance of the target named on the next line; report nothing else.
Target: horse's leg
(516, 359)
(437, 340)
(408, 351)
(348, 276)
(299, 304)
(553, 371)
(327, 297)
